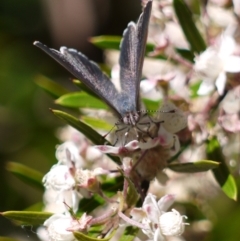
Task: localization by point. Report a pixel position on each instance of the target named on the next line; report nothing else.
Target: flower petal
(67, 153)
(206, 87)
(57, 226)
(221, 82)
(151, 208)
(158, 236)
(232, 64)
(59, 178)
(171, 223)
(165, 202)
(174, 118)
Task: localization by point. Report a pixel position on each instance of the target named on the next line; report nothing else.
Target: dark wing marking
(132, 55)
(86, 71)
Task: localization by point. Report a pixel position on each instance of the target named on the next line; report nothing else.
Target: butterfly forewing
(131, 58)
(86, 71)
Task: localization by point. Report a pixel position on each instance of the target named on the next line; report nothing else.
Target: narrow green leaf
(83, 87)
(96, 123)
(222, 174)
(113, 42)
(83, 237)
(132, 194)
(194, 89)
(151, 105)
(230, 187)
(51, 87)
(80, 100)
(26, 174)
(88, 205)
(105, 69)
(129, 234)
(191, 167)
(94, 136)
(7, 239)
(26, 217)
(189, 28)
(186, 54)
(106, 42)
(37, 207)
(112, 185)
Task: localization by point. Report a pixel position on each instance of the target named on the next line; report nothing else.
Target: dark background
(27, 127)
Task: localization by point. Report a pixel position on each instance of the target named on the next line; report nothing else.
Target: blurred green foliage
(27, 127)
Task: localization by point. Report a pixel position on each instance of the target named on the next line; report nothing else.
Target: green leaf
(51, 87)
(112, 185)
(194, 89)
(27, 217)
(132, 194)
(189, 28)
(7, 239)
(113, 42)
(94, 136)
(129, 234)
(82, 237)
(222, 174)
(37, 207)
(151, 105)
(191, 167)
(96, 123)
(88, 205)
(80, 100)
(186, 54)
(26, 174)
(106, 42)
(83, 87)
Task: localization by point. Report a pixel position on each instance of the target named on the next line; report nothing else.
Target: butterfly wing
(131, 58)
(86, 71)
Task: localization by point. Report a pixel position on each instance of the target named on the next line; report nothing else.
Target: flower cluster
(198, 88)
(74, 177)
(157, 221)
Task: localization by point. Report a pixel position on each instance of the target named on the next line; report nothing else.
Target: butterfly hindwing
(132, 55)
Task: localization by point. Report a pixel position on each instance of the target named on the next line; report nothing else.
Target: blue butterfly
(126, 103)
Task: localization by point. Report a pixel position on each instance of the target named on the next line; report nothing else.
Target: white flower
(62, 182)
(57, 226)
(149, 157)
(173, 118)
(157, 222)
(219, 16)
(68, 154)
(171, 223)
(59, 178)
(213, 64)
(59, 202)
(236, 5)
(88, 179)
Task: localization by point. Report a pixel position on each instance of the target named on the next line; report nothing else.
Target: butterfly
(125, 103)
